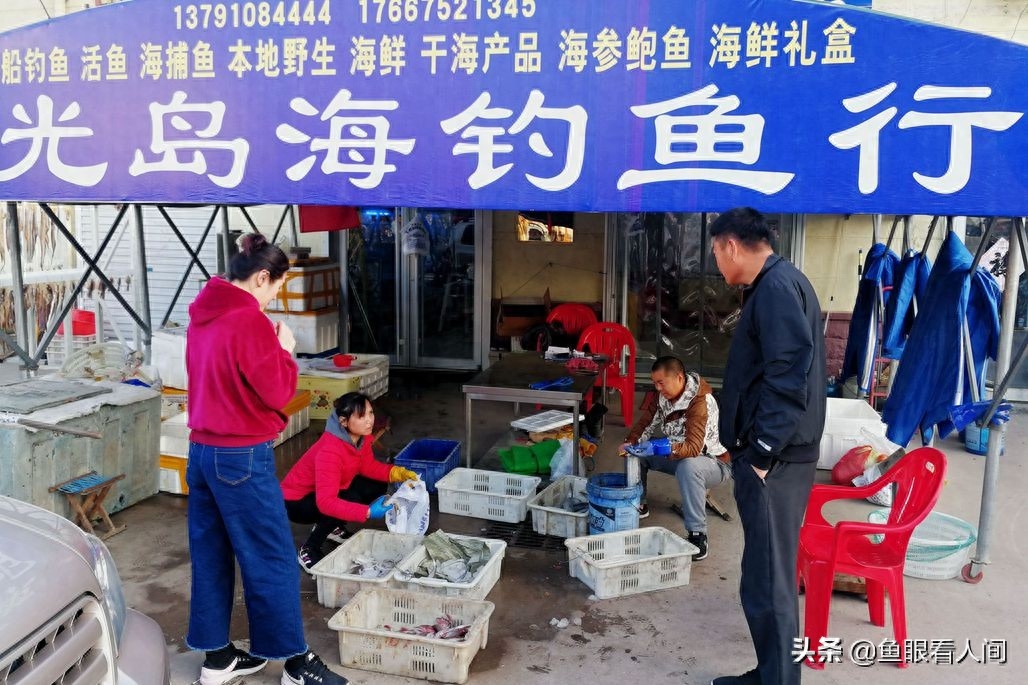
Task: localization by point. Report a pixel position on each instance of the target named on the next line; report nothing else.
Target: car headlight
(107, 573)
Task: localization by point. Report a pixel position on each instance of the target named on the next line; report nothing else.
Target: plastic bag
(854, 463)
(410, 510)
(883, 497)
(563, 461)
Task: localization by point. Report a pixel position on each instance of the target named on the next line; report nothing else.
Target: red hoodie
(240, 378)
(330, 466)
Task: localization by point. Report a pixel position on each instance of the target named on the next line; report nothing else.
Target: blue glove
(661, 447)
(379, 508)
(965, 414)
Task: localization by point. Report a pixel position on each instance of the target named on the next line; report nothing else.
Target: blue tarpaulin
(573, 105)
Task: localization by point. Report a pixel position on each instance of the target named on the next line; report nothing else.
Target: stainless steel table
(508, 381)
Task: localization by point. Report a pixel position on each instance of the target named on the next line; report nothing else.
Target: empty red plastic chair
(611, 339)
(572, 317)
(847, 547)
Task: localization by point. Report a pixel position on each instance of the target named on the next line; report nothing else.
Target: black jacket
(773, 399)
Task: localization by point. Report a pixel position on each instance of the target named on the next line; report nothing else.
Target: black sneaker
(644, 510)
(751, 677)
(312, 671)
(308, 557)
(700, 540)
(243, 663)
(338, 535)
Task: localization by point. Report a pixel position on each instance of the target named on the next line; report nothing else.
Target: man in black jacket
(772, 417)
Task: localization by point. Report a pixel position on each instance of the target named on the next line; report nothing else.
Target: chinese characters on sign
(640, 49)
(506, 103)
(864, 652)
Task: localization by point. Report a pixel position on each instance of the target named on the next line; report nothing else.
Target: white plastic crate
(631, 561)
(336, 585)
(492, 495)
(315, 332)
(55, 355)
(477, 588)
(365, 642)
(548, 516)
(298, 422)
(844, 420)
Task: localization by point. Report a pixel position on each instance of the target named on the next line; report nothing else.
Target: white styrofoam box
(175, 435)
(308, 287)
(336, 585)
(175, 431)
(55, 355)
(548, 515)
(477, 588)
(492, 495)
(168, 352)
(315, 332)
(173, 474)
(843, 423)
(368, 373)
(628, 562)
(366, 643)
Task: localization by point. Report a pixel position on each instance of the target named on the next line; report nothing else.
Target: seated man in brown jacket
(687, 415)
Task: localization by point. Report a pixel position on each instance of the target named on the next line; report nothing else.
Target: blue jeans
(236, 512)
(695, 476)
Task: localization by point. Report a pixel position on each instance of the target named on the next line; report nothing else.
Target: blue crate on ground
(430, 458)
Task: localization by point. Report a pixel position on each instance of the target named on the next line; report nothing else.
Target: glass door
(667, 289)
(415, 289)
(440, 260)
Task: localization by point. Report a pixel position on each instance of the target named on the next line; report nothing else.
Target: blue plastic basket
(429, 458)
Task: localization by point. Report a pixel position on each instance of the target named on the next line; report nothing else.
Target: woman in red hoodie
(338, 479)
(241, 376)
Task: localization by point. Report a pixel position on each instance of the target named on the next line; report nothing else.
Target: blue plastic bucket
(613, 504)
(976, 440)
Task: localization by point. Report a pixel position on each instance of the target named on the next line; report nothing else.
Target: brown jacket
(690, 422)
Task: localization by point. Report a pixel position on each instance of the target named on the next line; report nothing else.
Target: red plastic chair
(610, 339)
(573, 317)
(847, 547)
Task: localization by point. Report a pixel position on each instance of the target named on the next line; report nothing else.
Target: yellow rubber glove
(398, 474)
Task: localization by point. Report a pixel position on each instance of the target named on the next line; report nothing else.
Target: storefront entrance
(414, 286)
(665, 286)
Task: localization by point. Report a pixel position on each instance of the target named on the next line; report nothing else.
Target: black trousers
(305, 511)
(772, 513)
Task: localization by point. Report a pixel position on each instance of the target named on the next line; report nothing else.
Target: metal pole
(996, 435)
(876, 227)
(21, 319)
(226, 240)
(292, 225)
(143, 283)
(344, 291)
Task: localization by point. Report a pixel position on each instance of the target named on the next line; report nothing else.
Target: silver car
(63, 617)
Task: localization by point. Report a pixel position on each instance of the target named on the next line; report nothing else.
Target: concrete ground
(686, 635)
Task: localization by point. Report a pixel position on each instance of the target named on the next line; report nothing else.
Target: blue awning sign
(503, 104)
